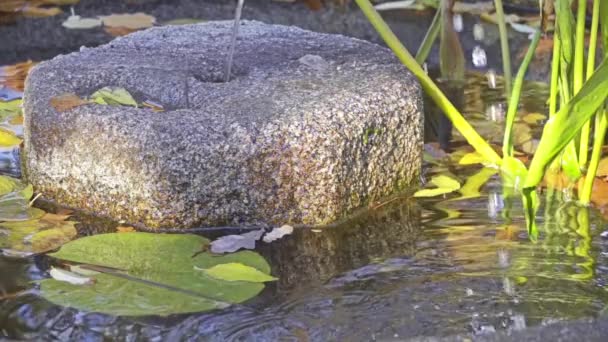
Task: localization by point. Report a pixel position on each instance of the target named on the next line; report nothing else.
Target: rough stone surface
(284, 141)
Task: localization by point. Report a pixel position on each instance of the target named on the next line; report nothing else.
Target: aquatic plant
(565, 139)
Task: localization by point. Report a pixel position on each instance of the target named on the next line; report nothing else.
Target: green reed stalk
(504, 46)
(467, 131)
(554, 77)
(579, 76)
(429, 39)
(601, 123)
(507, 144)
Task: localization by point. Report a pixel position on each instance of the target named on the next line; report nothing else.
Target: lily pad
(37, 235)
(156, 274)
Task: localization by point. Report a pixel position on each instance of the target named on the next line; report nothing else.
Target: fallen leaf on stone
(113, 96)
(76, 22)
(65, 102)
(125, 229)
(235, 271)
(278, 233)
(232, 243)
(8, 138)
(183, 21)
(153, 105)
(69, 277)
(134, 21)
(444, 185)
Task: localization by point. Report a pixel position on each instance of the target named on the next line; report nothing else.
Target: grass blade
(429, 39)
(504, 45)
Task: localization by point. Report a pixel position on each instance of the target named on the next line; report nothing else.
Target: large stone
(312, 127)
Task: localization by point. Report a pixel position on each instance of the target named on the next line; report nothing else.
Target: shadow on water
(405, 269)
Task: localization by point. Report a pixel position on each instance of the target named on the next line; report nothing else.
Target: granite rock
(311, 127)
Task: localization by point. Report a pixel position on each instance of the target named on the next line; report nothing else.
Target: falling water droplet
(480, 58)
(491, 77)
(457, 21)
(478, 32)
(496, 112)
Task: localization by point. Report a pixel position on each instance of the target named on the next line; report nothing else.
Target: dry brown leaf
(17, 120)
(118, 31)
(64, 211)
(125, 229)
(66, 102)
(602, 168)
(35, 11)
(136, 21)
(54, 218)
(314, 5)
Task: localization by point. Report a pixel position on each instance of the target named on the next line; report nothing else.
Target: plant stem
(504, 46)
(554, 76)
(429, 39)
(467, 131)
(579, 76)
(601, 123)
(507, 145)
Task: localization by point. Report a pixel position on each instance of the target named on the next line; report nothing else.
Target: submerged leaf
(278, 233)
(445, 185)
(76, 22)
(238, 272)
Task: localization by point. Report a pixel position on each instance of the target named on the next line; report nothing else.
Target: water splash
(235, 32)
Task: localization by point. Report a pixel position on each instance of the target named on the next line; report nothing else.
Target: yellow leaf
(125, 229)
(35, 11)
(472, 158)
(533, 118)
(8, 138)
(443, 181)
(432, 192)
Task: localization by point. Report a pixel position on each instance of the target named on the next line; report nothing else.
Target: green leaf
(565, 124)
(113, 96)
(513, 173)
(443, 181)
(155, 275)
(473, 183)
(27, 192)
(472, 158)
(444, 184)
(238, 272)
(7, 184)
(12, 106)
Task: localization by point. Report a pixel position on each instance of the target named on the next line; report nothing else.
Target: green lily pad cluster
(155, 274)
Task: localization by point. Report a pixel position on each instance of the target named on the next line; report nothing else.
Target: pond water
(406, 268)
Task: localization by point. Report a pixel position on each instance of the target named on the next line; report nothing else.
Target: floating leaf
(76, 22)
(234, 271)
(473, 183)
(134, 21)
(232, 243)
(66, 102)
(432, 192)
(278, 233)
(39, 235)
(113, 96)
(154, 275)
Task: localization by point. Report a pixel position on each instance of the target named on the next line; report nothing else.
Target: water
(404, 269)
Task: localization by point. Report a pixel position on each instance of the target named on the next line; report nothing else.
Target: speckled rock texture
(311, 127)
